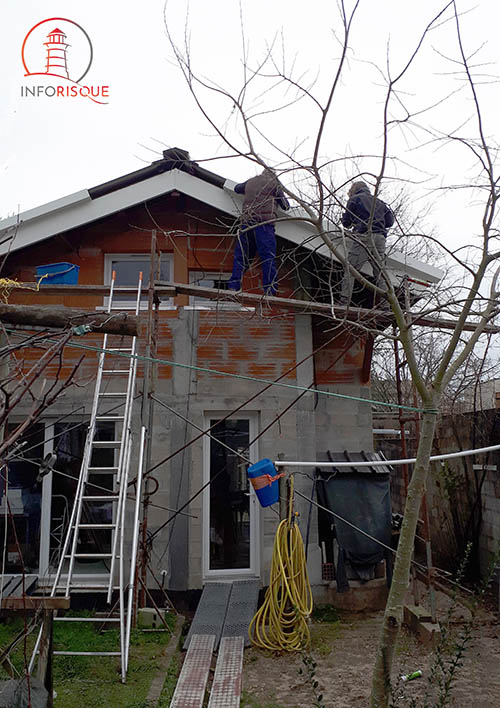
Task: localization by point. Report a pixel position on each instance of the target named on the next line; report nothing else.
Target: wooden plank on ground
(192, 682)
(226, 687)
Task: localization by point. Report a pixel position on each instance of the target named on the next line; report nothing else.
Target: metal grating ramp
(190, 689)
(241, 609)
(226, 687)
(211, 612)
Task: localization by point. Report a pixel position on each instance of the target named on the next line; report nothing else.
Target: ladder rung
(96, 526)
(86, 587)
(102, 470)
(115, 371)
(113, 394)
(97, 556)
(119, 349)
(111, 418)
(86, 619)
(87, 653)
(113, 497)
(106, 443)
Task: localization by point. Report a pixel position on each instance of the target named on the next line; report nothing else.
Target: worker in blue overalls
(263, 195)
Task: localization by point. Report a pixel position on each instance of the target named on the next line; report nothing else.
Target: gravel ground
(344, 653)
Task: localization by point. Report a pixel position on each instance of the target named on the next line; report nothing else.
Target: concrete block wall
(490, 531)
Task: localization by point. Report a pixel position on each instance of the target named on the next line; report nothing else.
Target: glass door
(230, 537)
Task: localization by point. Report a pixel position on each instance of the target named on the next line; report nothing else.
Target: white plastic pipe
(381, 463)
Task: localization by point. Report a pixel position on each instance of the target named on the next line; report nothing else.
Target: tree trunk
(393, 615)
(121, 323)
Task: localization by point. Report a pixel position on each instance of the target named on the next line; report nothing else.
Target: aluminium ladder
(86, 498)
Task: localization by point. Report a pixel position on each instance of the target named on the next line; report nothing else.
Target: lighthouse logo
(57, 55)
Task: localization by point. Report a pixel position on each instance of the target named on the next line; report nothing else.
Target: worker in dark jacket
(367, 243)
(263, 196)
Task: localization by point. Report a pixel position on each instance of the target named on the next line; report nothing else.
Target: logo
(59, 50)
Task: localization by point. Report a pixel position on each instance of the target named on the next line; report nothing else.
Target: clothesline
(382, 463)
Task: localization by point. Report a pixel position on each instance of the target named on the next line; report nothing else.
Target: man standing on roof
(367, 243)
(263, 195)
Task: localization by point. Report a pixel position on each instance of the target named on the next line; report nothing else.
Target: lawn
(94, 682)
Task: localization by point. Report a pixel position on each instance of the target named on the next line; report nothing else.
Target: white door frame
(254, 507)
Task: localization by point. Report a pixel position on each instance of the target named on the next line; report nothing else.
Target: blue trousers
(252, 240)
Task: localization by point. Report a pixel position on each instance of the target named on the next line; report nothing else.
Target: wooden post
(44, 668)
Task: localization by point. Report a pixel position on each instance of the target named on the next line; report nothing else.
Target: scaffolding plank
(13, 584)
(211, 612)
(190, 689)
(241, 609)
(226, 687)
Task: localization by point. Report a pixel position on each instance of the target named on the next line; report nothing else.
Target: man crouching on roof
(263, 195)
(369, 219)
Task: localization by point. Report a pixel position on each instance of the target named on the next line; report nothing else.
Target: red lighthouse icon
(57, 62)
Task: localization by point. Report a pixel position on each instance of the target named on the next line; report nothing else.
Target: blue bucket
(58, 274)
(264, 479)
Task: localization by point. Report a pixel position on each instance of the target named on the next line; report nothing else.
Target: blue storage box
(58, 273)
(264, 479)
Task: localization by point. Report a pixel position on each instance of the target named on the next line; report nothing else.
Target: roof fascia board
(83, 212)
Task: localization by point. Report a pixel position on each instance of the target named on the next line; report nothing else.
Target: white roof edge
(77, 209)
(49, 207)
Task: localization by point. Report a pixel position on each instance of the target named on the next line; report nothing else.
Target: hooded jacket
(358, 209)
(263, 195)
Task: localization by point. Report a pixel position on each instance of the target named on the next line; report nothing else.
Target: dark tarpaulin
(364, 500)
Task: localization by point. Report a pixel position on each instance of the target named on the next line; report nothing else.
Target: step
(226, 686)
(102, 470)
(119, 349)
(86, 653)
(109, 498)
(107, 372)
(191, 685)
(87, 619)
(110, 418)
(113, 394)
(86, 587)
(106, 444)
(97, 556)
(95, 526)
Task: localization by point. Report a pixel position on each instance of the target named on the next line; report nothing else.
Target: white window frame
(206, 304)
(45, 573)
(167, 304)
(255, 510)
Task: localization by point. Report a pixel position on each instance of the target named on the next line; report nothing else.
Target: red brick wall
(252, 345)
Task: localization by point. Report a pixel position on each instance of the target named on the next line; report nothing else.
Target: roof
(175, 172)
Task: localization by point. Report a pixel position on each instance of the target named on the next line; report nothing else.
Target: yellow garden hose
(281, 623)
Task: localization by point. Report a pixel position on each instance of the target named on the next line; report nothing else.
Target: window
(127, 267)
(217, 281)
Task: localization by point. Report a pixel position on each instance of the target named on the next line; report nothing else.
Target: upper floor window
(217, 281)
(127, 267)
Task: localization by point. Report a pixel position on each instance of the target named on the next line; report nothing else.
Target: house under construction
(262, 374)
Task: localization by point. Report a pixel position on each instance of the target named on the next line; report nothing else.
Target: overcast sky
(52, 147)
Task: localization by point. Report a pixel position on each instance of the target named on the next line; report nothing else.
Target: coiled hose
(281, 623)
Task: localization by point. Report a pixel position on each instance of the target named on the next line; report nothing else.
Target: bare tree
(273, 87)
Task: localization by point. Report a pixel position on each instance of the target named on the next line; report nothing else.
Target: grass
(248, 701)
(94, 682)
(325, 630)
